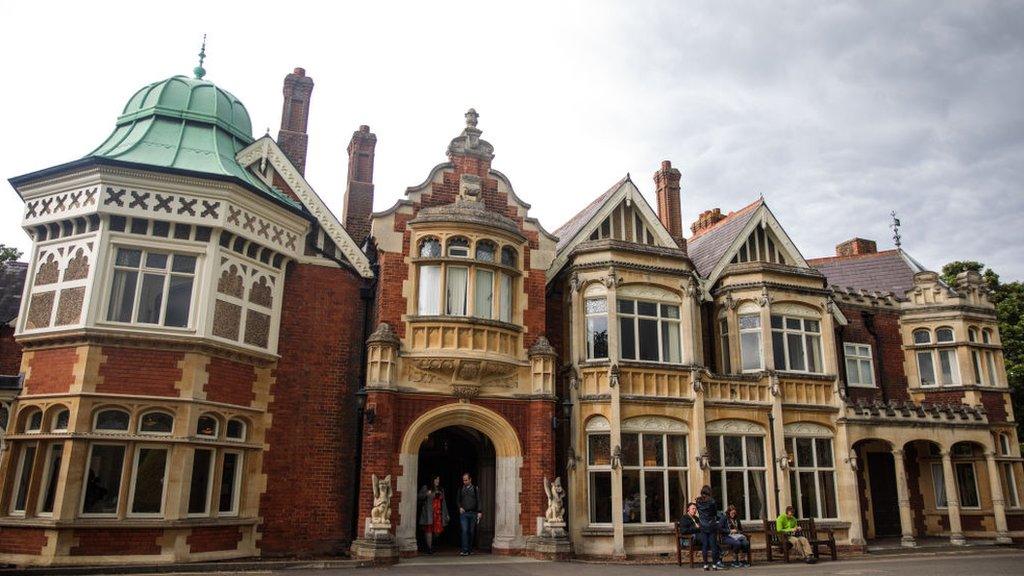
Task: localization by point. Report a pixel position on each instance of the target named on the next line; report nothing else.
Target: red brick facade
(51, 371)
(881, 330)
(117, 541)
(10, 352)
(230, 382)
(214, 539)
(307, 508)
(22, 540)
(120, 374)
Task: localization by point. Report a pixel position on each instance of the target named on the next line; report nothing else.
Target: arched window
(922, 336)
(485, 250)
(111, 421)
(207, 426)
(430, 248)
(986, 336)
(509, 257)
(458, 247)
(972, 334)
(595, 309)
(735, 453)
(156, 423)
(944, 335)
(34, 420)
(60, 421)
(654, 469)
(236, 429)
(813, 476)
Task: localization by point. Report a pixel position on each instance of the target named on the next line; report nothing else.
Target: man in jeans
(787, 528)
(469, 513)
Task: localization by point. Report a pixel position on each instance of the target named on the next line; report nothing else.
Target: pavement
(977, 562)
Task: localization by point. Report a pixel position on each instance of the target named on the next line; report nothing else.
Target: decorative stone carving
(598, 424)
(612, 279)
(766, 297)
(463, 372)
(734, 427)
(807, 429)
(554, 517)
(654, 424)
(571, 459)
(574, 282)
(617, 457)
(380, 514)
(773, 384)
(703, 460)
(465, 391)
(613, 376)
(385, 335)
(730, 302)
(541, 348)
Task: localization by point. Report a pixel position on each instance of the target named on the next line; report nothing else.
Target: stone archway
(508, 453)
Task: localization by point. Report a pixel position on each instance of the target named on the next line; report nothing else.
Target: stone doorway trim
(508, 533)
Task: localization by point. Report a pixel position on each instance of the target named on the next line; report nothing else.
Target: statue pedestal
(377, 546)
(552, 543)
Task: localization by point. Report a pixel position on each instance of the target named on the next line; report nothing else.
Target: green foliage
(1009, 301)
(8, 254)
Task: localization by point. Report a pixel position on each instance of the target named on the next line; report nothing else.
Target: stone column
(618, 536)
(956, 533)
(847, 487)
(903, 500)
(998, 501)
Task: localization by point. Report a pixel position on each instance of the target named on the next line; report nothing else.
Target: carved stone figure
(556, 494)
(380, 514)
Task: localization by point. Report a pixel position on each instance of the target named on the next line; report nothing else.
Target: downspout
(367, 293)
(775, 465)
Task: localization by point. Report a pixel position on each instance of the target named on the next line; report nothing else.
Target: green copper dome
(188, 124)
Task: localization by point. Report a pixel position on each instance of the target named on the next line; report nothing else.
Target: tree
(1009, 301)
(8, 254)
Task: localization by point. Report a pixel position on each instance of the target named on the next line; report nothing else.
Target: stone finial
(471, 118)
(541, 348)
(469, 142)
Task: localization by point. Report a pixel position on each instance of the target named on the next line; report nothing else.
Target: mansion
(205, 362)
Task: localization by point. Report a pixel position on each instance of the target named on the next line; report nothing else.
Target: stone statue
(380, 514)
(555, 493)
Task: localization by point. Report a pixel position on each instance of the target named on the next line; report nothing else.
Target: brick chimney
(292, 137)
(707, 219)
(666, 182)
(359, 191)
(856, 247)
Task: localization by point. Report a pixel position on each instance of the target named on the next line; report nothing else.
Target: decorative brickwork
(51, 370)
(227, 320)
(116, 542)
(40, 309)
(69, 311)
(879, 328)
(230, 382)
(257, 328)
(22, 540)
(78, 267)
(48, 271)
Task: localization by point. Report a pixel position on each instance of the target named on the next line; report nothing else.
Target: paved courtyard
(994, 562)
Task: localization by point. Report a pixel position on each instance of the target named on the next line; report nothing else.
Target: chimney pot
(856, 247)
(292, 137)
(358, 207)
(300, 72)
(666, 182)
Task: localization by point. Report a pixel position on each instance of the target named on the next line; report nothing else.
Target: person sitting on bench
(788, 529)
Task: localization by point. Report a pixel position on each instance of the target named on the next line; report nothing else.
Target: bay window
(22, 477)
(812, 477)
(653, 476)
(51, 474)
(103, 479)
(649, 331)
(149, 474)
(201, 482)
(990, 357)
(796, 344)
(461, 285)
(596, 312)
(151, 287)
(230, 478)
(750, 342)
(738, 472)
(936, 366)
(860, 370)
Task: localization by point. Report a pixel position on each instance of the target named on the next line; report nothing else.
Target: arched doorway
(448, 453)
(878, 498)
(480, 423)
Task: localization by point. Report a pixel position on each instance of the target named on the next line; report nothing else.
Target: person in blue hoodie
(707, 512)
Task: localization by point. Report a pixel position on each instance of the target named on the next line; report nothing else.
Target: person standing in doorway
(433, 512)
(469, 513)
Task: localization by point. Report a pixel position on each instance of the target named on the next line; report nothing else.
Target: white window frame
(818, 470)
(601, 468)
(245, 430)
(47, 470)
(851, 352)
(659, 320)
(150, 432)
(141, 271)
(424, 288)
(216, 428)
(18, 471)
(134, 478)
(85, 481)
(760, 342)
(31, 428)
(588, 334)
(237, 485)
(96, 419)
(1009, 478)
(977, 490)
(805, 337)
(745, 468)
(664, 470)
(211, 473)
(939, 483)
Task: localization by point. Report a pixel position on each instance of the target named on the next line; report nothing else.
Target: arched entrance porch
(508, 459)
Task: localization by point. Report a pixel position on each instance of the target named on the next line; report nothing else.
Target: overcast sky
(837, 113)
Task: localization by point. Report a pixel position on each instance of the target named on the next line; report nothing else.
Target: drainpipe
(775, 465)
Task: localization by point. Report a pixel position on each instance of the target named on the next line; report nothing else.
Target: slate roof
(709, 246)
(566, 232)
(12, 280)
(885, 271)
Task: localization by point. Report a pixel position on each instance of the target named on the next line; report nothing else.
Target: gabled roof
(580, 226)
(566, 232)
(885, 271)
(708, 247)
(266, 150)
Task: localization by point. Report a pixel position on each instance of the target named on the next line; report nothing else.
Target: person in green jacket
(787, 528)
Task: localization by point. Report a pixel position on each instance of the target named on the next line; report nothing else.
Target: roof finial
(199, 71)
(895, 225)
(471, 117)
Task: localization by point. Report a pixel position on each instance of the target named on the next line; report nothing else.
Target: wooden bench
(690, 543)
(815, 536)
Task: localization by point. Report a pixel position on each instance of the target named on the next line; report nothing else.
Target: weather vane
(199, 70)
(895, 225)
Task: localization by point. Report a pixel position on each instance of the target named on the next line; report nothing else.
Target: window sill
(806, 375)
(471, 320)
(113, 521)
